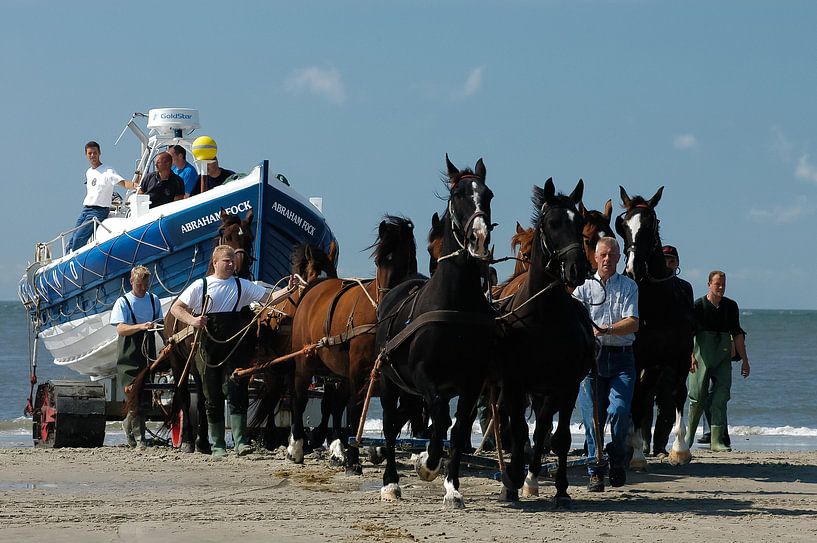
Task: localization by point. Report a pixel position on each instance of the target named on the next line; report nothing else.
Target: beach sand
(119, 494)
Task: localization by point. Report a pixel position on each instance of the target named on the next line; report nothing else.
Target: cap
(669, 250)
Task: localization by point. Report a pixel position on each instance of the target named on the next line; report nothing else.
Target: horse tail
(135, 392)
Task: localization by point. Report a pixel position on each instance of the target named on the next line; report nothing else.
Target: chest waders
(129, 363)
(216, 361)
(713, 356)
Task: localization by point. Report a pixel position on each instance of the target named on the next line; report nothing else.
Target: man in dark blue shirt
(163, 186)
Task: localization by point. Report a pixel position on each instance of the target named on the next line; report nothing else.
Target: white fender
(680, 454)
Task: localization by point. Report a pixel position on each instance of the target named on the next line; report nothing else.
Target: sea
(774, 409)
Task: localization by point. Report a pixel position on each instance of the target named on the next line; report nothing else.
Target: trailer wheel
(69, 414)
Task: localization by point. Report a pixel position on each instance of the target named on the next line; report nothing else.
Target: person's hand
(147, 326)
(744, 369)
(293, 282)
(693, 365)
(199, 322)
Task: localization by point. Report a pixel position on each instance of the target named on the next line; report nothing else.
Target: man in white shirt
(218, 304)
(99, 184)
(612, 301)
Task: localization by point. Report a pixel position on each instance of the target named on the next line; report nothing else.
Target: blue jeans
(615, 391)
(82, 235)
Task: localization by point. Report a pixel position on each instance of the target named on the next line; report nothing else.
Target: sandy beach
(119, 494)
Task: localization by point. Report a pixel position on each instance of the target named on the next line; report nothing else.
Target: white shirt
(619, 302)
(223, 294)
(141, 307)
(99, 183)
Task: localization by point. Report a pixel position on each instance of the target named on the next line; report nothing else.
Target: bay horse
(340, 316)
(436, 337)
(237, 233)
(663, 343)
(596, 226)
(547, 345)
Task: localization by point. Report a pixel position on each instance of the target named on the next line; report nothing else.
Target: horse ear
(625, 199)
(381, 230)
(435, 221)
(657, 198)
(247, 220)
(577, 193)
(333, 253)
(479, 169)
(608, 209)
(519, 229)
(582, 209)
(223, 215)
(452, 170)
(550, 189)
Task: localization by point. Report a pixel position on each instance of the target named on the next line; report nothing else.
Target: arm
(627, 325)
(125, 330)
(182, 312)
(740, 347)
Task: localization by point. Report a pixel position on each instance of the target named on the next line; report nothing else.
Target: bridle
(656, 241)
(464, 231)
(551, 254)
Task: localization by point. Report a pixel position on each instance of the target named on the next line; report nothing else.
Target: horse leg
(561, 446)
(642, 402)
(358, 388)
(295, 448)
(513, 403)
(388, 401)
(202, 438)
(430, 461)
(542, 439)
(336, 437)
(460, 438)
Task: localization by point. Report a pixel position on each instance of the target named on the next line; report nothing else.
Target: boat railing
(44, 249)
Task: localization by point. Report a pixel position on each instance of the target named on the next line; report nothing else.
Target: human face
(175, 157)
(140, 287)
(224, 265)
(717, 287)
(607, 258)
(212, 168)
(163, 162)
(672, 262)
(92, 154)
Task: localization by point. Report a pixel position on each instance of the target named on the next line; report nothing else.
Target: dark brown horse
(340, 316)
(596, 226)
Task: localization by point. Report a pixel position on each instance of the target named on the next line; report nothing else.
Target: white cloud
(783, 214)
(474, 81)
(685, 141)
(318, 82)
(806, 170)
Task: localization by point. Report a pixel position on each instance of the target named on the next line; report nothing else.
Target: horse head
(435, 242)
(236, 233)
(310, 262)
(638, 227)
(558, 237)
(523, 241)
(394, 252)
(469, 210)
(596, 226)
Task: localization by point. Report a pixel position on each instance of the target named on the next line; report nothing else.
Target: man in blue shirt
(134, 314)
(612, 301)
(183, 169)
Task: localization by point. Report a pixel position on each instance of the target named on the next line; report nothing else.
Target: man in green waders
(134, 314)
(717, 321)
(219, 305)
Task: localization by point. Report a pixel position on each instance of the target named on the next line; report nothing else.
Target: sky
(359, 101)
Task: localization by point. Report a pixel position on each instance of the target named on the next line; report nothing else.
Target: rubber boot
(695, 412)
(238, 426)
(138, 432)
(717, 443)
(216, 430)
(127, 427)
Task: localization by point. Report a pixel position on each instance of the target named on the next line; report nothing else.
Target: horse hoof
(679, 458)
(187, 447)
(357, 469)
(452, 499)
(376, 455)
(562, 502)
(531, 487)
(295, 450)
(337, 456)
(425, 473)
(508, 494)
(390, 493)
(638, 464)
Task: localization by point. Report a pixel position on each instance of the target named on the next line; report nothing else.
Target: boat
(69, 296)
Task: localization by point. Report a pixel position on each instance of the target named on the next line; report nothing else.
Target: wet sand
(119, 494)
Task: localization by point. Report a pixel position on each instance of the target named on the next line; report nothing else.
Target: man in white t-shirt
(219, 304)
(99, 183)
(134, 314)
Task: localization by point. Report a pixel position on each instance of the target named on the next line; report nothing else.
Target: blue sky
(359, 101)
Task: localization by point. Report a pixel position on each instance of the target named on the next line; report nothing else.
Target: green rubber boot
(695, 412)
(216, 430)
(238, 426)
(717, 443)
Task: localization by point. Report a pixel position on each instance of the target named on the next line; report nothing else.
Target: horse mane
(636, 201)
(538, 199)
(394, 231)
(520, 238)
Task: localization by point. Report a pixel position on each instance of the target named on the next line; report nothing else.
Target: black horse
(547, 344)
(435, 338)
(663, 343)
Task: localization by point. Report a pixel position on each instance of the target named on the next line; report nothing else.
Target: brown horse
(340, 316)
(596, 226)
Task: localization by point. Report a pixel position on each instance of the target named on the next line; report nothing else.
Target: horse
(435, 337)
(237, 233)
(547, 345)
(663, 343)
(340, 317)
(596, 226)
(310, 264)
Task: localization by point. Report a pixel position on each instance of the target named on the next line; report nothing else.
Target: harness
(329, 340)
